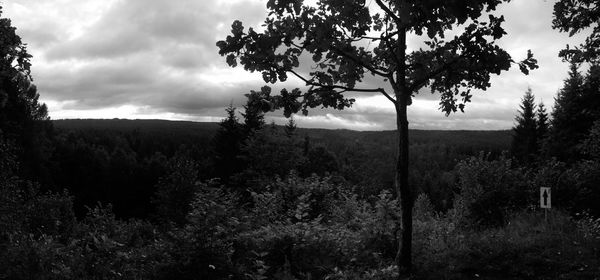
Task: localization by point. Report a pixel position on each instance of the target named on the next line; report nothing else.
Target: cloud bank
(158, 59)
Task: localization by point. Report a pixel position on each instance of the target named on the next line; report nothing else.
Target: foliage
(175, 192)
(591, 144)
(22, 118)
(575, 110)
(266, 154)
(525, 133)
(574, 16)
(335, 34)
(489, 191)
(227, 143)
(543, 125)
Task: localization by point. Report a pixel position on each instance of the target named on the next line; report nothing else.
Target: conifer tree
(591, 97)
(543, 125)
(525, 141)
(227, 143)
(254, 116)
(565, 131)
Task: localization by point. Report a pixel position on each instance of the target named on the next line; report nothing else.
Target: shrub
(489, 191)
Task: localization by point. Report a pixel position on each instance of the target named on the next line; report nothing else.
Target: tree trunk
(404, 255)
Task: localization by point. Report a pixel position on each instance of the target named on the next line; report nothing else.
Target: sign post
(545, 200)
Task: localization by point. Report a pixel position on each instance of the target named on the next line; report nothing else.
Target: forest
(248, 199)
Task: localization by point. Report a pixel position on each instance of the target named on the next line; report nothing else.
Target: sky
(157, 59)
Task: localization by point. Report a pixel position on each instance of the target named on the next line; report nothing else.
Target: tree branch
(359, 62)
(343, 88)
(432, 74)
(387, 10)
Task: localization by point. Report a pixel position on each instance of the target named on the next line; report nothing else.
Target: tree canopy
(574, 16)
(348, 40)
(525, 133)
(575, 110)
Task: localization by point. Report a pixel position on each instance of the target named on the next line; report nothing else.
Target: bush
(489, 191)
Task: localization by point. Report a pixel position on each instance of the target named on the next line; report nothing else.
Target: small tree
(227, 143)
(254, 116)
(348, 40)
(543, 124)
(525, 138)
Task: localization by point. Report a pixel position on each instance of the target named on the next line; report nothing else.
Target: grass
(528, 247)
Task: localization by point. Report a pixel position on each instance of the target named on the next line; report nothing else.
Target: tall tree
(566, 128)
(23, 118)
(543, 124)
(591, 96)
(573, 16)
(227, 144)
(525, 138)
(344, 42)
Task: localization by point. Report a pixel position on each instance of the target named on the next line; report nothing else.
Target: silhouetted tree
(227, 143)
(254, 116)
(591, 96)
(564, 132)
(576, 108)
(22, 118)
(338, 34)
(574, 16)
(525, 137)
(543, 124)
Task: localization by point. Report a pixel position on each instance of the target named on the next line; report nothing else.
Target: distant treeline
(120, 161)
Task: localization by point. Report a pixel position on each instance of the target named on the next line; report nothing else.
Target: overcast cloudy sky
(158, 59)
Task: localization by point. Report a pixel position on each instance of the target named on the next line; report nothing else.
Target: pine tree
(525, 142)
(574, 112)
(590, 109)
(227, 144)
(543, 125)
(254, 118)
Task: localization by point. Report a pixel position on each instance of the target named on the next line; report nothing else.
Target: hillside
(473, 140)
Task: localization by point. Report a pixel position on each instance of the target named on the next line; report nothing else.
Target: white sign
(545, 195)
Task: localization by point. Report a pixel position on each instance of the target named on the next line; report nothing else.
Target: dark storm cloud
(144, 53)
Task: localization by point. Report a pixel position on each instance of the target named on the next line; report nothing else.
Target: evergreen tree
(576, 108)
(590, 109)
(525, 140)
(254, 117)
(227, 143)
(563, 133)
(543, 125)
